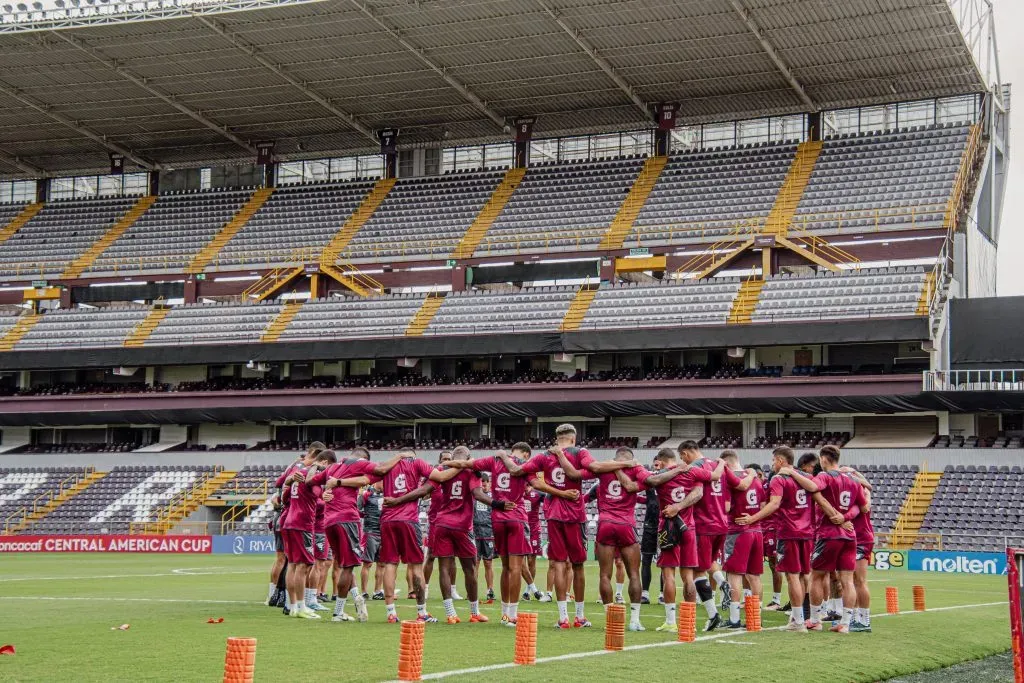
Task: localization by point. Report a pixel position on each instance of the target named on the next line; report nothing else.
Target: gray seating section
(83, 328)
(978, 508)
(295, 224)
(534, 309)
(870, 293)
(336, 318)
(214, 324)
(127, 494)
(8, 212)
(424, 217)
(558, 207)
(7, 321)
(172, 231)
(883, 180)
(20, 487)
(706, 302)
(890, 485)
(707, 194)
(59, 234)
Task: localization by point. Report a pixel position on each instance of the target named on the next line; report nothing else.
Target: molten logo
(961, 564)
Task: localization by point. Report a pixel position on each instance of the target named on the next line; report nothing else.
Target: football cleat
(305, 613)
(636, 626)
(813, 626)
(563, 623)
(581, 623)
(316, 607)
(832, 616)
(773, 606)
(545, 598)
(490, 594)
(539, 595)
(713, 623)
(379, 595)
(794, 627)
(840, 628)
(619, 600)
(667, 626)
(426, 619)
(361, 614)
(645, 600)
(341, 617)
(527, 596)
(478, 619)
(508, 621)
(392, 618)
(453, 620)
(857, 627)
(735, 625)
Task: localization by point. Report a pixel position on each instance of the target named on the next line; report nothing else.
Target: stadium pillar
(42, 190)
(521, 135)
(389, 149)
(65, 298)
(191, 290)
(665, 118)
(154, 183)
(814, 126)
(607, 269)
(459, 279)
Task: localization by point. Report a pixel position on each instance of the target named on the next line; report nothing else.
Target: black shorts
(278, 541)
(371, 547)
(649, 542)
(485, 548)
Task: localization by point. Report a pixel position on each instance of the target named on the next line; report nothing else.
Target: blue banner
(951, 562)
(243, 545)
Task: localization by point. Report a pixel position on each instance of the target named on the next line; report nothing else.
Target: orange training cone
(526, 639)
(687, 625)
(752, 607)
(410, 651)
(919, 598)
(615, 627)
(892, 600)
(240, 660)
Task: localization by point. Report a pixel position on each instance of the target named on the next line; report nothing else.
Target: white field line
(646, 646)
(175, 572)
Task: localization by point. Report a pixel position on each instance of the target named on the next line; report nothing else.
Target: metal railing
(922, 541)
(973, 380)
(16, 519)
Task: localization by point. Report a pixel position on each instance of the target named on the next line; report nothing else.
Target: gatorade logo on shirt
(558, 476)
(678, 494)
(504, 481)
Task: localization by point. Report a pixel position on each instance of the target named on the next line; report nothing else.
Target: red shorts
(567, 541)
(683, 554)
(448, 542)
(768, 543)
(709, 550)
(864, 551)
(535, 545)
(512, 538)
(401, 542)
(834, 555)
(616, 535)
(793, 556)
(344, 540)
(744, 553)
(298, 546)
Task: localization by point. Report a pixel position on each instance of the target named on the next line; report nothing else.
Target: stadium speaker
(408, 362)
(125, 372)
(737, 352)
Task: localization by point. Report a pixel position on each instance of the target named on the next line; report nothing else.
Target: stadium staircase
(19, 330)
(19, 221)
(271, 283)
(208, 253)
(352, 278)
(622, 224)
(85, 261)
(141, 333)
(68, 489)
(578, 308)
(743, 305)
(489, 213)
(280, 323)
(357, 220)
(184, 504)
(420, 321)
(792, 190)
(915, 507)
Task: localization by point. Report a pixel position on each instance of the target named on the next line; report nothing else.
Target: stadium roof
(173, 84)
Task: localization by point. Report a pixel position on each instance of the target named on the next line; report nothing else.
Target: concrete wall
(934, 458)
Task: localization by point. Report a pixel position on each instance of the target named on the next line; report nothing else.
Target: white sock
(645, 594)
(563, 611)
(273, 589)
(777, 597)
(504, 609)
(747, 593)
(513, 610)
(579, 609)
(816, 611)
(354, 594)
(533, 588)
(618, 589)
(865, 616)
(719, 578)
(710, 608)
(426, 593)
(310, 596)
(391, 609)
(634, 613)
(339, 606)
(734, 611)
(449, 607)
(847, 615)
(474, 607)
(421, 609)
(670, 613)
(798, 615)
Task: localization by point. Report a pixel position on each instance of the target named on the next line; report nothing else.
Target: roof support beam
(253, 52)
(140, 82)
(47, 110)
(441, 71)
(601, 62)
(773, 54)
(17, 162)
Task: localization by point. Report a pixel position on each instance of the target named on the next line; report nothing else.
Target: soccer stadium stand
(26, 490)
(978, 508)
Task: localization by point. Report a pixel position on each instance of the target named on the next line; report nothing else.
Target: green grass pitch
(58, 611)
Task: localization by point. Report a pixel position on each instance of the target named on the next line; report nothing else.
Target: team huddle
(708, 524)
